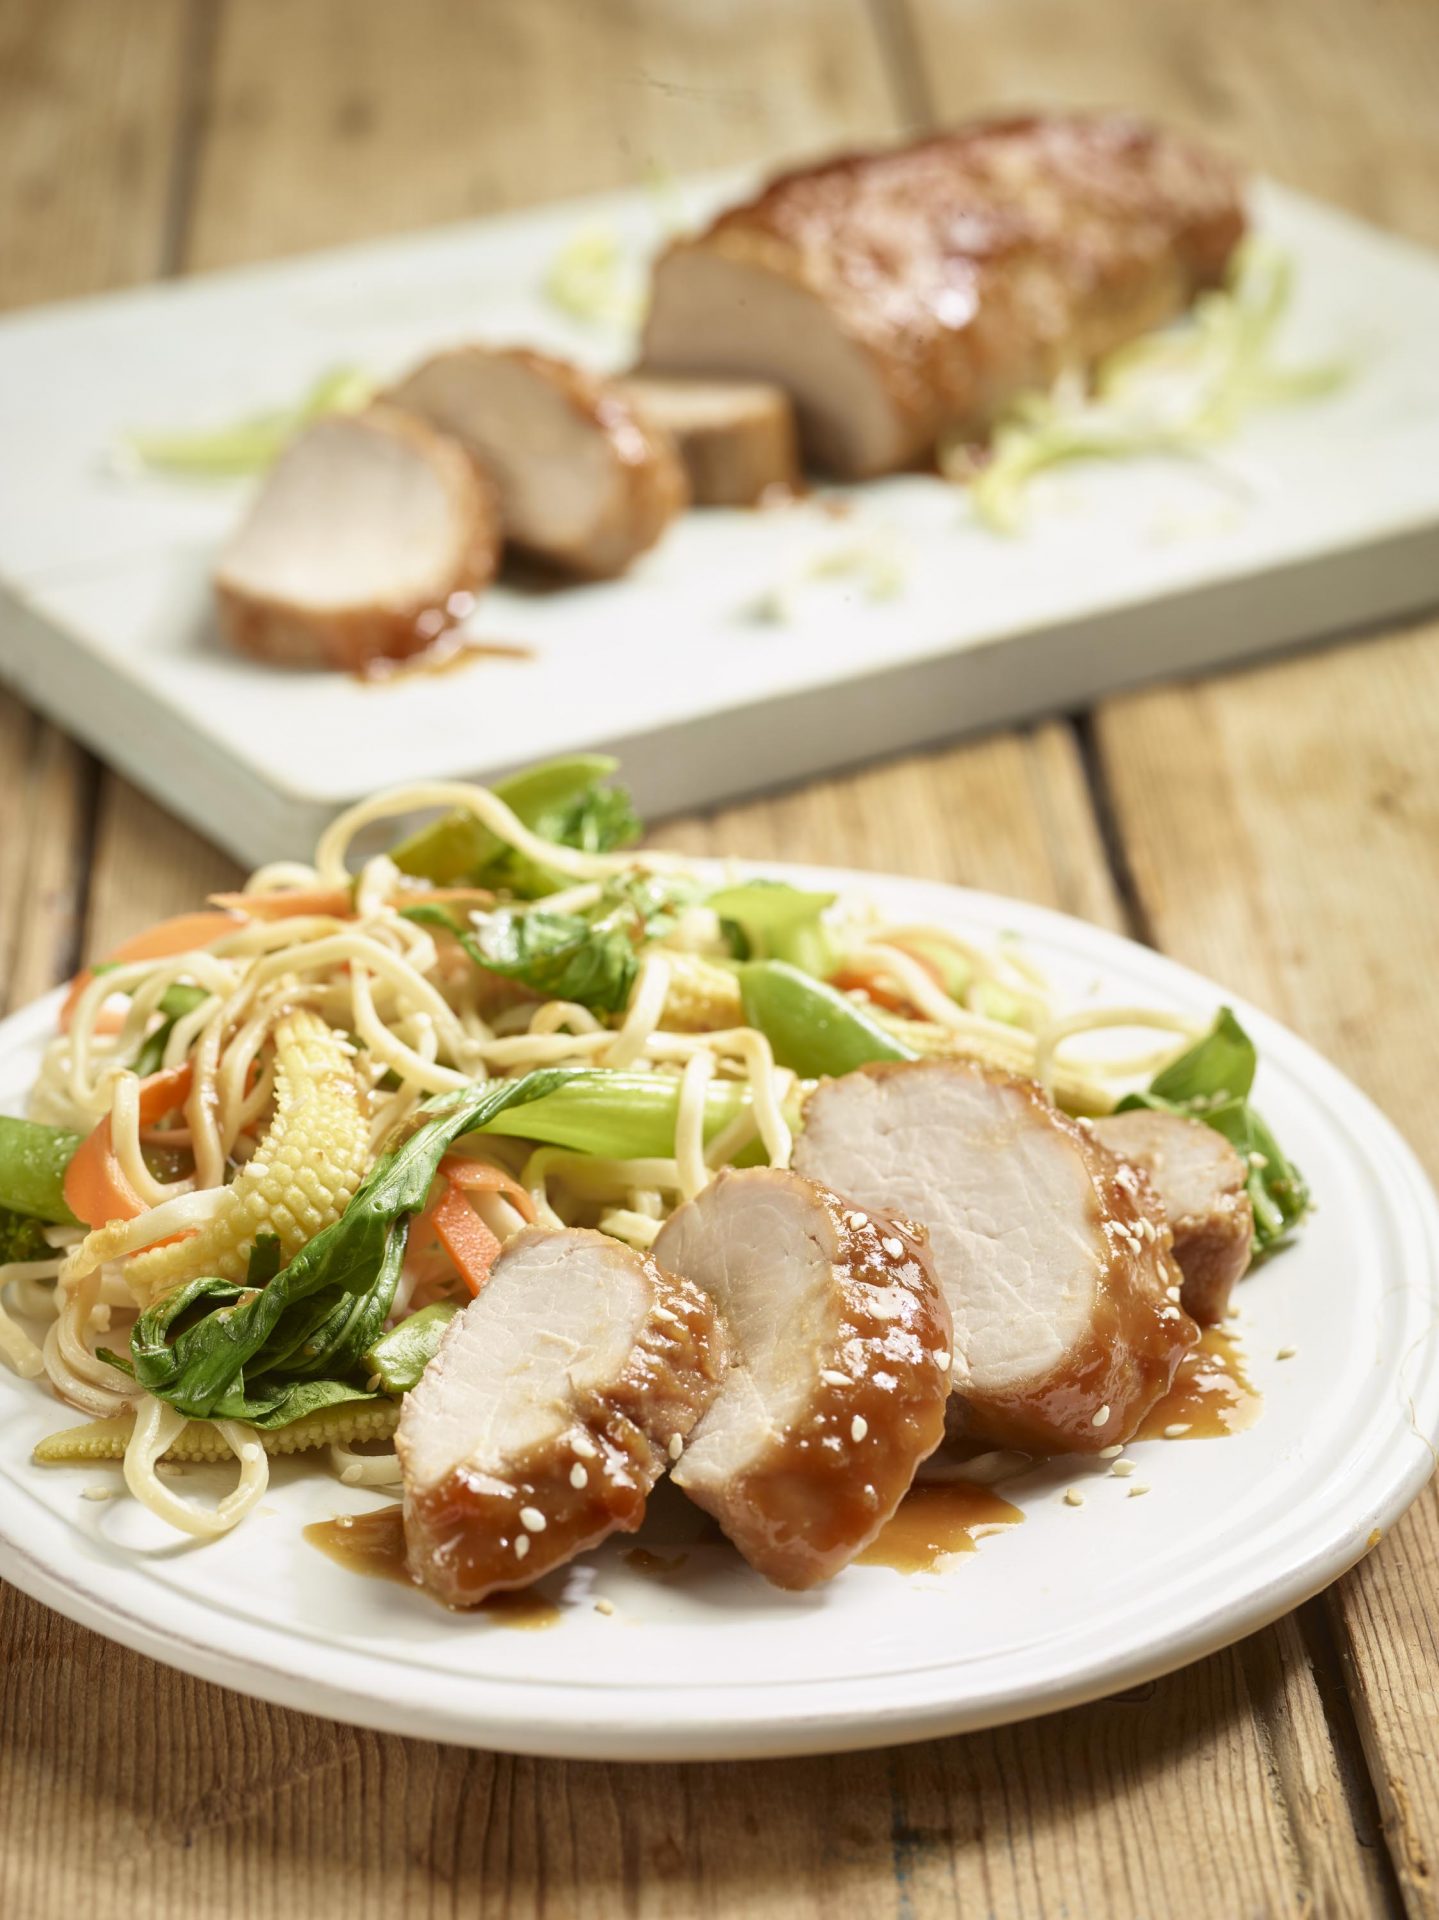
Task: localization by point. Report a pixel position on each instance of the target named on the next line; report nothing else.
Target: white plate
(1318, 517)
(713, 1663)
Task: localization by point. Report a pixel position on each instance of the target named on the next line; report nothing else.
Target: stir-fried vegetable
(399, 1357)
(812, 1029)
(567, 801)
(770, 920)
(268, 1356)
(1211, 1083)
(33, 1161)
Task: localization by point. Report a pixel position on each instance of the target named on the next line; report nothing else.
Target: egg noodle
(412, 1016)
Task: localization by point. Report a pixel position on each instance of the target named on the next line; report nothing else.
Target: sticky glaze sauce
(374, 1544)
(1212, 1395)
(446, 654)
(934, 1522)
(656, 1565)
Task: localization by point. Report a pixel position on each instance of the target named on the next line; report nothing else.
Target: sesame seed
(1171, 1293)
(833, 1377)
(604, 1606)
(1286, 1353)
(522, 1545)
(1073, 1497)
(858, 1220)
(894, 1248)
(1122, 1469)
(1140, 1486)
(858, 1428)
(1110, 1453)
(97, 1493)
(532, 1519)
(663, 1313)
(676, 1446)
(1101, 1418)
(350, 1476)
(941, 1360)
(1176, 1429)
(250, 1452)
(372, 1383)
(1258, 1160)
(578, 1476)
(259, 1168)
(585, 1447)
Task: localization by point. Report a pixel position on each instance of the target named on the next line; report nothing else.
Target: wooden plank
(1297, 857)
(397, 117)
(92, 99)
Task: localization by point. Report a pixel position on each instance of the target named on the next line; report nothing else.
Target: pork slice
(369, 536)
(839, 1368)
(553, 1405)
(1063, 1289)
(1202, 1187)
(905, 295)
(736, 437)
(586, 483)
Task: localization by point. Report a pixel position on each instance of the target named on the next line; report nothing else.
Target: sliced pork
(839, 1371)
(905, 295)
(585, 481)
(1202, 1187)
(1063, 1291)
(556, 1400)
(371, 534)
(736, 437)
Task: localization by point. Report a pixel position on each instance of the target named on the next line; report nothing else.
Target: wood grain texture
(1298, 860)
(403, 116)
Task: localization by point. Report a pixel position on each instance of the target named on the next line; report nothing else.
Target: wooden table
(1277, 827)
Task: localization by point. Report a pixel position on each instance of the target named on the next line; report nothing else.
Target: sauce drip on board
(446, 654)
(1211, 1396)
(374, 1544)
(934, 1522)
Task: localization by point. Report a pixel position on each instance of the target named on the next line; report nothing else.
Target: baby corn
(303, 1174)
(199, 1440)
(701, 997)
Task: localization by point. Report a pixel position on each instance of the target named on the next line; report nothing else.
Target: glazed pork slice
(1202, 1187)
(556, 1400)
(586, 483)
(736, 437)
(902, 296)
(1064, 1294)
(839, 1368)
(370, 535)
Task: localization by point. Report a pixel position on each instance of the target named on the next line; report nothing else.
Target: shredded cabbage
(250, 445)
(1178, 392)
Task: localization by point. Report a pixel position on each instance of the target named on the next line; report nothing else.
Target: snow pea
(813, 1030)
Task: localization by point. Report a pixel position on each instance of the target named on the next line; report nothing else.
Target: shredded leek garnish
(1180, 392)
(250, 445)
(591, 279)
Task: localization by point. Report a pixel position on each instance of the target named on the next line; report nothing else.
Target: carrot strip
(167, 937)
(478, 1176)
(465, 1237)
(97, 1190)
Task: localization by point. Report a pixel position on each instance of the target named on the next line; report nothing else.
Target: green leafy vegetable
(567, 801)
(560, 955)
(22, 1238)
(621, 1116)
(590, 957)
(770, 920)
(813, 1029)
(400, 1356)
(33, 1159)
(177, 1000)
(1212, 1082)
(249, 445)
(244, 1354)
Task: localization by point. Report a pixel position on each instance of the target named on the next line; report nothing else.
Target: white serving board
(712, 1663)
(1321, 516)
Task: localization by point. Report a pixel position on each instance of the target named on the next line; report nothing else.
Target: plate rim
(769, 1718)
